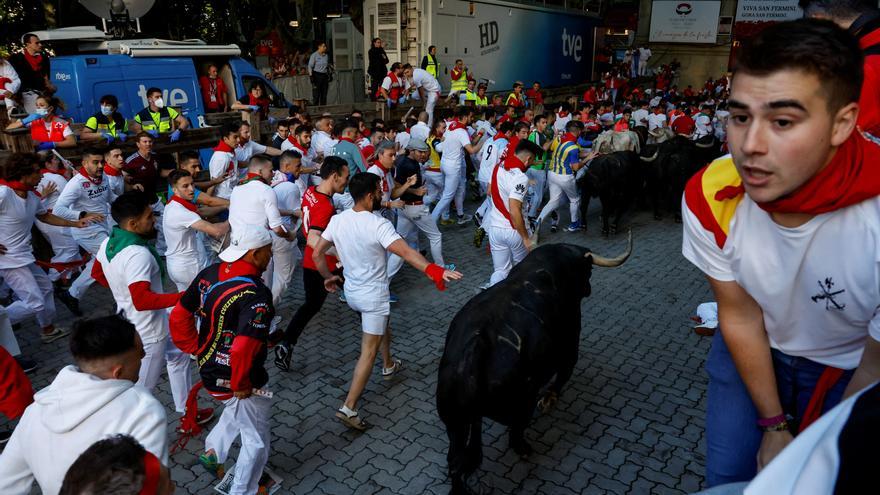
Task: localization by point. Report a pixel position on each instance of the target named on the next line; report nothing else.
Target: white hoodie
(76, 410)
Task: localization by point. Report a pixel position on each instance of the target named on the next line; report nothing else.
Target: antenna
(120, 14)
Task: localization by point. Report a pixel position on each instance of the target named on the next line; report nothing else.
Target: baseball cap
(418, 145)
(243, 240)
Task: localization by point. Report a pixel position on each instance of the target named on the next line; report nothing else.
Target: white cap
(243, 240)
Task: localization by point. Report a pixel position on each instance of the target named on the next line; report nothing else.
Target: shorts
(374, 312)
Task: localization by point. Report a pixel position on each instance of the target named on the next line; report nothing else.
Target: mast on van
(120, 18)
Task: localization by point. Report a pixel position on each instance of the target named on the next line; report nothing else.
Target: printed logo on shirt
(828, 294)
(260, 311)
(520, 188)
(222, 359)
(86, 185)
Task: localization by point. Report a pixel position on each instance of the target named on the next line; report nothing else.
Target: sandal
(212, 464)
(354, 421)
(388, 373)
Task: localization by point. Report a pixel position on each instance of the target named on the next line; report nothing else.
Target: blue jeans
(732, 436)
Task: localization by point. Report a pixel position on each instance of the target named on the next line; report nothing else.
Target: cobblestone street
(629, 422)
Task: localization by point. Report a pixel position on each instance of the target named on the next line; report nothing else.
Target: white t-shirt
(387, 181)
(422, 79)
(511, 184)
(656, 121)
(322, 143)
(59, 181)
(560, 123)
(704, 125)
(289, 198)
(16, 219)
(244, 152)
(181, 240)
(640, 117)
(818, 285)
(453, 146)
(361, 239)
(489, 155)
(420, 131)
(135, 264)
(223, 163)
(402, 139)
(253, 203)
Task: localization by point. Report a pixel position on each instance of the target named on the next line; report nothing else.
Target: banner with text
(684, 22)
(768, 11)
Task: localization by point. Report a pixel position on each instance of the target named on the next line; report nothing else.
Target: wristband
(435, 272)
(776, 423)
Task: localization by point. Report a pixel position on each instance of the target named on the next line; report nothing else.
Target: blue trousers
(732, 435)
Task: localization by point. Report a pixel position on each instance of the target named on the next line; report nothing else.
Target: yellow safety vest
(461, 83)
(481, 102)
(470, 96)
(160, 121)
(432, 67)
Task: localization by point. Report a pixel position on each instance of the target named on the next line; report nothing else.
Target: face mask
(42, 112)
(159, 103)
(105, 110)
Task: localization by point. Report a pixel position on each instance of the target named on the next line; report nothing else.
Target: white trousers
(33, 289)
(158, 210)
(434, 183)
(178, 364)
(279, 273)
(182, 271)
(411, 220)
(486, 206)
(250, 419)
(453, 189)
(540, 179)
(66, 249)
(643, 67)
(430, 103)
(562, 185)
(507, 249)
(90, 240)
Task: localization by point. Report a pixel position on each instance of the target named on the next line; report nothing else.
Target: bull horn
(656, 154)
(613, 262)
(704, 146)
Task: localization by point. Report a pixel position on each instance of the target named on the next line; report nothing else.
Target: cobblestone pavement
(629, 422)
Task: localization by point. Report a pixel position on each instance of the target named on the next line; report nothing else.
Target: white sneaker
(275, 322)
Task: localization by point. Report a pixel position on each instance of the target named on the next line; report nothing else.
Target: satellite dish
(107, 9)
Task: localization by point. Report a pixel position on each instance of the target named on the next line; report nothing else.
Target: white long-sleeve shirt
(14, 83)
(82, 195)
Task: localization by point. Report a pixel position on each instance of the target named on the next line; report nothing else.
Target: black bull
(506, 344)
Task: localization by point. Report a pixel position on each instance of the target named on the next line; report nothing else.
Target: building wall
(698, 61)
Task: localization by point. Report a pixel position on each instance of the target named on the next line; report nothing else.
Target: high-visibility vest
(394, 91)
(148, 122)
(470, 96)
(461, 83)
(481, 102)
(433, 68)
(113, 125)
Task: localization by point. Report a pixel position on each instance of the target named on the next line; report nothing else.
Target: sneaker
(212, 464)
(55, 334)
(4, 436)
(26, 364)
(388, 373)
(71, 302)
(479, 235)
(574, 227)
(449, 266)
(478, 220)
(464, 219)
(282, 357)
(392, 298)
(447, 221)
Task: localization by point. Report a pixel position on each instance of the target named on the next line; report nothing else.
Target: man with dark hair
(235, 310)
(564, 164)
(301, 141)
(319, 73)
(87, 194)
(861, 18)
(119, 465)
(317, 210)
(282, 132)
(133, 270)
(286, 255)
(19, 207)
(363, 241)
(456, 142)
(786, 231)
(158, 118)
(32, 65)
(391, 89)
(85, 402)
(346, 148)
(429, 62)
(223, 163)
(108, 123)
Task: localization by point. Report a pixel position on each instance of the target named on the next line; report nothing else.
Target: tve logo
(572, 45)
(488, 34)
(174, 98)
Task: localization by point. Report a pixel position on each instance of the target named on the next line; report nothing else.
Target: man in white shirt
(456, 142)
(505, 224)
(656, 120)
(362, 240)
(286, 254)
(421, 129)
(86, 194)
(427, 86)
(322, 139)
(787, 231)
(132, 269)
(9, 84)
(640, 116)
(703, 121)
(490, 155)
(19, 207)
(181, 223)
(401, 140)
(86, 402)
(64, 247)
(644, 55)
(223, 162)
(300, 140)
(247, 148)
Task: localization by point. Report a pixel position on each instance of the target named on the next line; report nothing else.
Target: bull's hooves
(547, 403)
(522, 449)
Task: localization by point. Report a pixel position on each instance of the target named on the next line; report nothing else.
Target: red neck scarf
(379, 164)
(223, 147)
(35, 61)
(111, 171)
(15, 185)
(562, 115)
(513, 162)
(82, 171)
(252, 177)
(185, 203)
(455, 124)
(44, 171)
(342, 138)
(295, 142)
(850, 178)
(568, 138)
(151, 474)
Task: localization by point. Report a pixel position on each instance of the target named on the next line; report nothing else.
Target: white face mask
(42, 112)
(159, 103)
(105, 110)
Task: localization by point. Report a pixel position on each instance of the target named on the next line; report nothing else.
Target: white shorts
(374, 313)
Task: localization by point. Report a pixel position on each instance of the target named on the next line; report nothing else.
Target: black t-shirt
(31, 80)
(237, 306)
(403, 169)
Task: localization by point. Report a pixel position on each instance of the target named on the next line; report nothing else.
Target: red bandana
(82, 171)
(455, 124)
(151, 474)
(568, 138)
(295, 142)
(251, 177)
(513, 162)
(850, 178)
(112, 171)
(185, 203)
(223, 147)
(35, 61)
(562, 115)
(341, 138)
(44, 171)
(15, 185)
